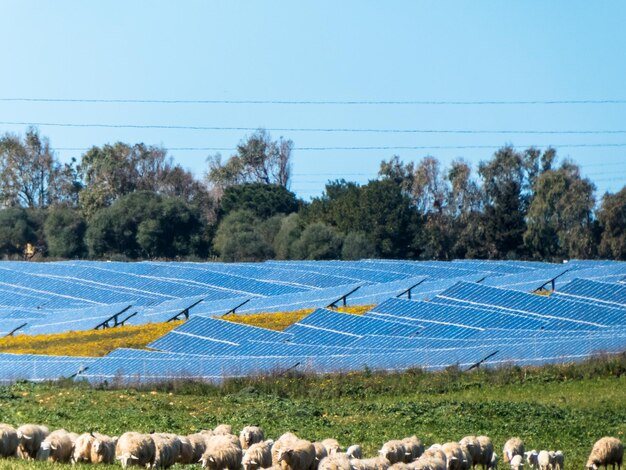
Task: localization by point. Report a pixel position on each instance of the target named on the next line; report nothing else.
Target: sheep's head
(126, 458)
(284, 454)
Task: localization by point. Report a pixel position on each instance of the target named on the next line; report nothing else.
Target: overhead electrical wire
(316, 129)
(319, 102)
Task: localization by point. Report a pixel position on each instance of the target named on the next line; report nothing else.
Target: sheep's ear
(211, 459)
(134, 457)
(53, 447)
(27, 437)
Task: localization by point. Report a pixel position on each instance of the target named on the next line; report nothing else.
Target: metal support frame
(552, 282)
(15, 329)
(478, 364)
(232, 310)
(114, 318)
(408, 291)
(343, 298)
(184, 312)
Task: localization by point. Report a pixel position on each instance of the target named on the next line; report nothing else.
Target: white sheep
(607, 451)
(30, 437)
(103, 449)
(134, 448)
(222, 452)
(297, 455)
(281, 442)
(512, 447)
(485, 458)
(332, 446)
(544, 460)
(393, 451)
(320, 451)
(82, 448)
(198, 445)
(56, 447)
(454, 455)
(258, 455)
(413, 448)
(517, 462)
(223, 429)
(335, 461)
(355, 451)
(433, 459)
(167, 450)
(468, 462)
(8, 441)
(473, 447)
(375, 463)
(186, 451)
(250, 435)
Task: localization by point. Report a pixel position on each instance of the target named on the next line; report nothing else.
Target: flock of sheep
(220, 449)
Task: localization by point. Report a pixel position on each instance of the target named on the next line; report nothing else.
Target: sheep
(335, 461)
(250, 435)
(393, 451)
(558, 460)
(198, 445)
(413, 448)
(468, 462)
(401, 466)
(134, 448)
(355, 451)
(607, 451)
(223, 429)
(433, 459)
(222, 453)
(472, 445)
(30, 437)
(531, 459)
(103, 448)
(486, 452)
(8, 441)
(332, 446)
(82, 448)
(517, 462)
(60, 446)
(258, 455)
(512, 447)
(435, 452)
(493, 463)
(297, 455)
(320, 451)
(376, 463)
(167, 450)
(281, 442)
(544, 460)
(454, 455)
(186, 451)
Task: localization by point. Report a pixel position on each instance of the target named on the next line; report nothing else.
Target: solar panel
(14, 367)
(612, 294)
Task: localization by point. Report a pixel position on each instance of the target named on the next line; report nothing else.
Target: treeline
(133, 202)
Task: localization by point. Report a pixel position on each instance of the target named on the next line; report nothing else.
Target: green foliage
(264, 200)
(16, 230)
(289, 231)
(318, 241)
(560, 215)
(144, 224)
(357, 246)
(240, 237)
(548, 407)
(612, 220)
(64, 230)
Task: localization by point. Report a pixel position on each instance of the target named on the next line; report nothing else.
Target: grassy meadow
(553, 407)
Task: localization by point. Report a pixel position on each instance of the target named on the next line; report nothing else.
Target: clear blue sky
(323, 50)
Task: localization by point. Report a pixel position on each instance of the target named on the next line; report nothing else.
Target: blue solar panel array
(426, 314)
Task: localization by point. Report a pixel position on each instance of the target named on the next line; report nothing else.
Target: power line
(409, 147)
(321, 102)
(313, 129)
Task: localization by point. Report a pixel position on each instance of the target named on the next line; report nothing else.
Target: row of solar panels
(47, 286)
(41, 320)
(467, 324)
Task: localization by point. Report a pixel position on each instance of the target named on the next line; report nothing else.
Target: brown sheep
(607, 451)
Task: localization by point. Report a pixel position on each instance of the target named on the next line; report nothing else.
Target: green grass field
(557, 407)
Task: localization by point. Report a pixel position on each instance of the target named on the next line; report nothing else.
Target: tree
(239, 238)
(30, 175)
(357, 246)
(560, 221)
(64, 231)
(258, 160)
(264, 200)
(16, 231)
(290, 230)
(113, 171)
(318, 241)
(146, 224)
(612, 221)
